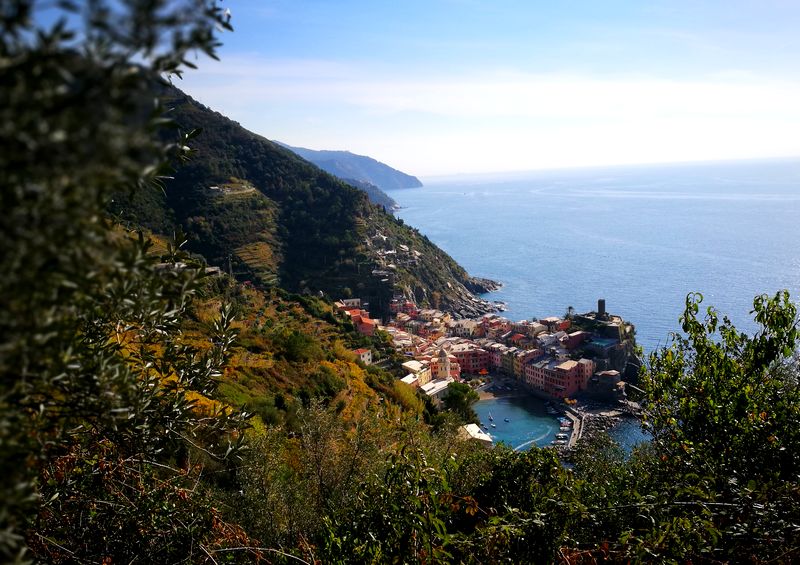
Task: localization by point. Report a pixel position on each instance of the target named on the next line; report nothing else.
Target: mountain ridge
(253, 207)
(348, 165)
(375, 194)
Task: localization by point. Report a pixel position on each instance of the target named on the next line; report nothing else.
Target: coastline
(491, 395)
(493, 388)
(481, 285)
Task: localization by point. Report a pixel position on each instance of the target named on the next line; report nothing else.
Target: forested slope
(123, 366)
(255, 207)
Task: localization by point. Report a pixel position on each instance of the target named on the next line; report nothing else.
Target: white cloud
(503, 119)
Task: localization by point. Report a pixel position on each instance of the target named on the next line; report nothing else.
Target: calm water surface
(529, 423)
(640, 237)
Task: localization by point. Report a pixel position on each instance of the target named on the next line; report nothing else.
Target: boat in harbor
(519, 422)
(490, 417)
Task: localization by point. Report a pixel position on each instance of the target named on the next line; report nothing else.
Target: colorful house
(365, 355)
(557, 378)
(470, 357)
(420, 369)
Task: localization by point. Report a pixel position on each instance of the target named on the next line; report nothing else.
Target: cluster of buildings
(351, 307)
(553, 356)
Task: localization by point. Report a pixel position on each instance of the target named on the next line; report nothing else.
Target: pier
(577, 426)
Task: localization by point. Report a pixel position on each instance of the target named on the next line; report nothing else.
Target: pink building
(559, 379)
(534, 375)
(563, 325)
(574, 339)
(404, 306)
(471, 359)
(495, 355)
(367, 326)
(556, 324)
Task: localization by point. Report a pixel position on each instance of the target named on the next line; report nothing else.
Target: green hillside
(375, 194)
(249, 205)
(152, 411)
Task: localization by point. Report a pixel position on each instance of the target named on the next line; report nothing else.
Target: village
(555, 358)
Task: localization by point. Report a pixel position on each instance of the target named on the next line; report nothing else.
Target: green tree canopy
(724, 410)
(99, 414)
(459, 400)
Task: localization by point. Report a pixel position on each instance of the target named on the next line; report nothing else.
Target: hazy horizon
(469, 86)
(490, 176)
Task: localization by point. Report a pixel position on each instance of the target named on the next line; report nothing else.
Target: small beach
(499, 387)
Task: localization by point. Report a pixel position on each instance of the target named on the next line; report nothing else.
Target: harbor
(510, 414)
(518, 421)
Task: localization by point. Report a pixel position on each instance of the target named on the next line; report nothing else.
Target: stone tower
(444, 364)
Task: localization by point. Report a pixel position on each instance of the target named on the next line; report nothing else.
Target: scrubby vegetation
(149, 413)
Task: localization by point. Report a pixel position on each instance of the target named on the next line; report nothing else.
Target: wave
(534, 440)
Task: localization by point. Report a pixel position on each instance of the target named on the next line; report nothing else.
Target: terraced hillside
(255, 208)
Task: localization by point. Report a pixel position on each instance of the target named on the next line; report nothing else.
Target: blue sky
(469, 86)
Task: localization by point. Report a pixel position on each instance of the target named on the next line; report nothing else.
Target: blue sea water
(640, 237)
(528, 422)
(628, 433)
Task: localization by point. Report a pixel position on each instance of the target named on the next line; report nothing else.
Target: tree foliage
(459, 399)
(725, 414)
(102, 425)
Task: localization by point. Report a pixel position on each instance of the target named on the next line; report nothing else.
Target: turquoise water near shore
(640, 237)
(529, 424)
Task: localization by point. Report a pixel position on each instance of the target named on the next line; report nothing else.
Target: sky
(438, 87)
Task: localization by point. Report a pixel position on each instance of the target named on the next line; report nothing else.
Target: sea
(522, 422)
(640, 237)
(519, 421)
